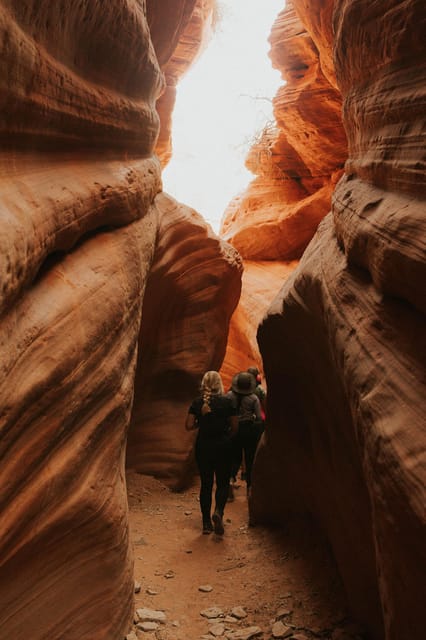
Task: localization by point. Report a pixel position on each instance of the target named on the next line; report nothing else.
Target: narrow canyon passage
(116, 298)
(261, 581)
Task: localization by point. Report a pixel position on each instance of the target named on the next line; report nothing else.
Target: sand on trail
(270, 573)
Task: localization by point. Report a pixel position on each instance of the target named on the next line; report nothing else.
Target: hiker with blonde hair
(215, 417)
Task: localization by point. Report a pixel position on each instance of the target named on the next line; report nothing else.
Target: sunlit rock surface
(196, 18)
(343, 344)
(297, 160)
(193, 288)
(78, 233)
(260, 284)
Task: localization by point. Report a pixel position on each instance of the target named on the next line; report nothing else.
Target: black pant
(246, 442)
(213, 460)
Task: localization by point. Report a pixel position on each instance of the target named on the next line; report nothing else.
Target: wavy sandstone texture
(297, 161)
(78, 235)
(197, 17)
(344, 344)
(193, 288)
(260, 283)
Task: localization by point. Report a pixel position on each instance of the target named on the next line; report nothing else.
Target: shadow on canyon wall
(110, 289)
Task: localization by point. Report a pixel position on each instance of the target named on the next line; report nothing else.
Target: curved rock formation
(68, 357)
(78, 234)
(297, 160)
(260, 283)
(343, 344)
(176, 56)
(192, 290)
(75, 213)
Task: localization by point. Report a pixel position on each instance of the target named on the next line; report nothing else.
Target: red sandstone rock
(68, 357)
(76, 243)
(192, 290)
(261, 282)
(316, 16)
(343, 345)
(78, 176)
(50, 204)
(193, 36)
(297, 161)
(166, 24)
(67, 80)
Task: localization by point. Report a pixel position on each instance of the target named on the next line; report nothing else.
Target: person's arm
(261, 394)
(191, 422)
(257, 410)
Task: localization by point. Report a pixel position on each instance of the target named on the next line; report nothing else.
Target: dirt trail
(269, 573)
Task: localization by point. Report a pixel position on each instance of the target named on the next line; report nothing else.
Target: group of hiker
(229, 428)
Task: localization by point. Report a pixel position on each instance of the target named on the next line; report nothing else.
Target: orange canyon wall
(87, 238)
(343, 344)
(82, 227)
(297, 161)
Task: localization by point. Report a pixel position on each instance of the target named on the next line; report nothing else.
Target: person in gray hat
(247, 403)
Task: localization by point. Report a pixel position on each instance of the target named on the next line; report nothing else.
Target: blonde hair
(211, 385)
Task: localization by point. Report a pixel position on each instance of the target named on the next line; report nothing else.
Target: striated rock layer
(78, 235)
(261, 282)
(76, 103)
(68, 356)
(297, 159)
(344, 344)
(193, 288)
(176, 57)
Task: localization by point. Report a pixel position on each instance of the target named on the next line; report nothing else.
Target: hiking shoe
(207, 527)
(218, 524)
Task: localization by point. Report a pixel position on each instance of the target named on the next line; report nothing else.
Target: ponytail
(206, 402)
(211, 385)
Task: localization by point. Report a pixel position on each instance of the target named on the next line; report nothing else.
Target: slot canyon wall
(85, 231)
(110, 303)
(297, 161)
(343, 343)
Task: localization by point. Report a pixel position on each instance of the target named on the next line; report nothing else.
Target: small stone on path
(299, 636)
(280, 630)
(149, 615)
(205, 588)
(152, 592)
(137, 587)
(131, 636)
(217, 630)
(212, 612)
(244, 634)
(147, 626)
(239, 613)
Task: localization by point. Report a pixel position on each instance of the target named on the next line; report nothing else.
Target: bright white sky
(220, 106)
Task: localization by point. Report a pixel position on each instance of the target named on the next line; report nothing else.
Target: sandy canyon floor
(272, 575)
